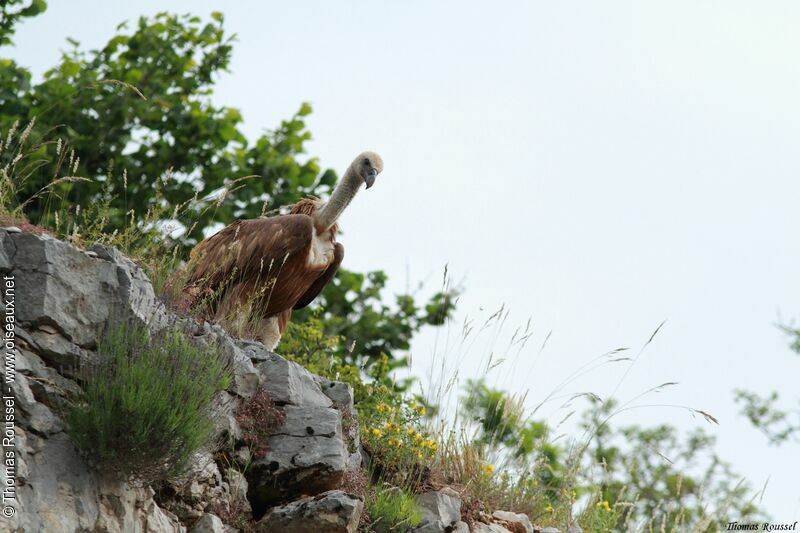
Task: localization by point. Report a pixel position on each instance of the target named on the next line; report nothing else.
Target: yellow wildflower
(488, 470)
(548, 509)
(377, 432)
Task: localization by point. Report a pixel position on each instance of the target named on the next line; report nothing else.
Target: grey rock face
(341, 394)
(198, 490)
(441, 510)
(519, 521)
(307, 455)
(289, 383)
(330, 512)
(480, 527)
(65, 300)
(58, 492)
(208, 523)
(48, 273)
(246, 378)
(70, 291)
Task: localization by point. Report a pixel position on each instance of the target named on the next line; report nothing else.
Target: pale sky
(597, 166)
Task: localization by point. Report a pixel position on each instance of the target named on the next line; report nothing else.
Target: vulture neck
(327, 215)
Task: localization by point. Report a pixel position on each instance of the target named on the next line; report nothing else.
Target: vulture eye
(366, 162)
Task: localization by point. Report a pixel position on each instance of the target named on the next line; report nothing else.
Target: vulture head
(367, 165)
(364, 169)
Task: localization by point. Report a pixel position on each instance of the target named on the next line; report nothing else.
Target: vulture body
(250, 275)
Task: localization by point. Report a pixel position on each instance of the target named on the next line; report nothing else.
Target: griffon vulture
(249, 276)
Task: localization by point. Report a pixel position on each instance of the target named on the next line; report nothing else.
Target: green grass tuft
(392, 509)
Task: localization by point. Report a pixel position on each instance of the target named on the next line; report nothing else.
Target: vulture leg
(324, 279)
(269, 332)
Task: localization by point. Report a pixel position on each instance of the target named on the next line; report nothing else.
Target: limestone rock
(66, 298)
(307, 455)
(203, 490)
(330, 512)
(288, 383)
(480, 527)
(340, 393)
(208, 523)
(518, 522)
(58, 492)
(440, 511)
(75, 294)
(246, 378)
(256, 351)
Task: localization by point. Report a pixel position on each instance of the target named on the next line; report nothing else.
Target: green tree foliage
(356, 311)
(656, 476)
(142, 104)
(13, 10)
(140, 108)
(671, 480)
(779, 424)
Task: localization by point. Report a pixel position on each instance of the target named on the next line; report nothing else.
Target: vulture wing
(324, 279)
(249, 249)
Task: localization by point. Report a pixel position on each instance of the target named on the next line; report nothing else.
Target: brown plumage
(249, 276)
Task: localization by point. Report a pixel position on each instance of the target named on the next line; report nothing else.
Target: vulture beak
(369, 177)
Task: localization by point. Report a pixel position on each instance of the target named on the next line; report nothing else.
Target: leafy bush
(145, 406)
(392, 509)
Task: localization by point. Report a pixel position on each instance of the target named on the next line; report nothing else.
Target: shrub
(392, 509)
(393, 432)
(258, 418)
(145, 406)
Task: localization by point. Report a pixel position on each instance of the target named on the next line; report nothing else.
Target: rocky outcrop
(516, 522)
(208, 523)
(332, 512)
(307, 456)
(65, 298)
(441, 511)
